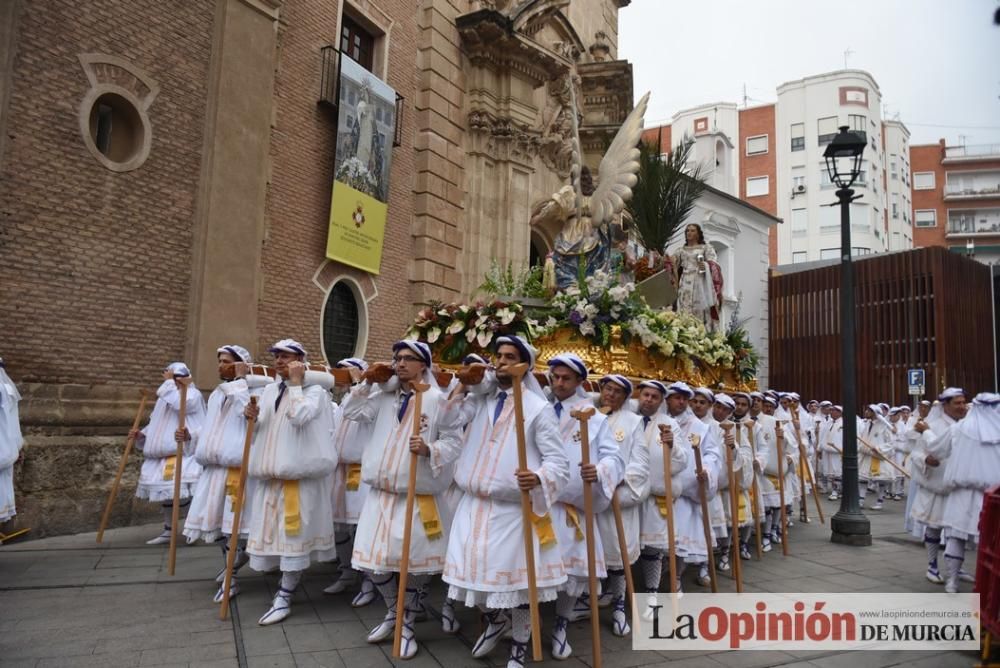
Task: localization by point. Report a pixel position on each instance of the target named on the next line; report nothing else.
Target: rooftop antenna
(847, 54)
(744, 96)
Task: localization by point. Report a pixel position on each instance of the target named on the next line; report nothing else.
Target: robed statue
(585, 212)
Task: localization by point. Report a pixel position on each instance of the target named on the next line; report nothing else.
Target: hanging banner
(359, 201)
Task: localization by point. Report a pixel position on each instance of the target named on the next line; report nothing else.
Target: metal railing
(975, 151)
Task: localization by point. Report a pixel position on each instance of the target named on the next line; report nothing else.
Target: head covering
(288, 346)
(925, 402)
(705, 392)
(746, 396)
(473, 358)
(950, 393)
(893, 411)
(239, 353)
(770, 400)
(619, 380)
(982, 422)
(757, 395)
(655, 384)
(837, 407)
(680, 387)
(885, 408)
(528, 355)
(422, 350)
(811, 402)
(825, 404)
(725, 400)
(794, 396)
(771, 393)
(178, 369)
(573, 362)
(355, 362)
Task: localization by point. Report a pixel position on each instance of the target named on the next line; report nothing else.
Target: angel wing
(617, 172)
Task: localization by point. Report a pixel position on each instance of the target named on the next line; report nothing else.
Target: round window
(340, 323)
(115, 131)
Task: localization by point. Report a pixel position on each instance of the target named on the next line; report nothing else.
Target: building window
(830, 254)
(701, 125)
(758, 186)
(826, 128)
(340, 323)
(858, 123)
(858, 250)
(923, 181)
(800, 223)
(895, 205)
(798, 136)
(892, 166)
(757, 145)
(798, 180)
(800, 256)
(357, 43)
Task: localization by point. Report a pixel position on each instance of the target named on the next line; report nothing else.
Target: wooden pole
(755, 490)
(404, 560)
(588, 512)
(668, 492)
(121, 466)
(804, 500)
(807, 472)
(234, 536)
(616, 508)
(175, 516)
(734, 509)
(779, 440)
(876, 453)
(517, 372)
(705, 519)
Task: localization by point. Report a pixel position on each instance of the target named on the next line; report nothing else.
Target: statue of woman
(366, 127)
(698, 278)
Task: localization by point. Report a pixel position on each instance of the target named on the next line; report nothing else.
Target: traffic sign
(915, 379)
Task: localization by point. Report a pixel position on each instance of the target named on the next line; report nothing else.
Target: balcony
(972, 185)
(973, 222)
(953, 154)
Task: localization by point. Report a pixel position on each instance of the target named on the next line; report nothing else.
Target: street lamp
(843, 163)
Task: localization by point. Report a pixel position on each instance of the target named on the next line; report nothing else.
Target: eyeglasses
(406, 358)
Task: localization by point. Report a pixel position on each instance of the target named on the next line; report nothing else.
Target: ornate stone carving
(503, 138)
(600, 50)
(555, 145)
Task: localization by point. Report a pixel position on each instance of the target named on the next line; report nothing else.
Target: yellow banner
(357, 228)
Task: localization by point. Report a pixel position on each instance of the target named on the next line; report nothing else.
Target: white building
(898, 191)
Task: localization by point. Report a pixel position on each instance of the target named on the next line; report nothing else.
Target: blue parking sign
(915, 379)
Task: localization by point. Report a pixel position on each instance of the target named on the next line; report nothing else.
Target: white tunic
(972, 467)
(159, 449)
(931, 490)
(291, 460)
(626, 431)
(743, 466)
(385, 465)
(760, 441)
(219, 451)
(568, 515)
(653, 524)
(717, 502)
(881, 437)
(690, 538)
(831, 448)
(349, 490)
(11, 442)
(485, 562)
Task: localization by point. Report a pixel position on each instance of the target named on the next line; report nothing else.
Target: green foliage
(744, 355)
(664, 194)
(507, 282)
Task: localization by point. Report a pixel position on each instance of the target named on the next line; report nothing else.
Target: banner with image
(366, 127)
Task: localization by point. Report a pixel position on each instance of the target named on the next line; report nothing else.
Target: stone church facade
(165, 177)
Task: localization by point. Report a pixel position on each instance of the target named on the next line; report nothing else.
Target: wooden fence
(928, 308)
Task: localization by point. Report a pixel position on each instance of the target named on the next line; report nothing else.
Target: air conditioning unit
(799, 189)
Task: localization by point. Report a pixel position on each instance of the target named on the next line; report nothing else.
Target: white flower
(587, 328)
(432, 334)
(484, 338)
(506, 316)
(455, 327)
(481, 320)
(470, 334)
(551, 323)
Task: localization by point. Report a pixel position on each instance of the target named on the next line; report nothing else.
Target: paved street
(66, 601)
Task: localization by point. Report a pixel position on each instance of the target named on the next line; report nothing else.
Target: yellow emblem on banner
(357, 228)
(573, 520)
(169, 466)
(293, 514)
(427, 508)
(543, 529)
(232, 483)
(353, 477)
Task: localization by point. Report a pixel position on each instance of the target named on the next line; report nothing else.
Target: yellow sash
(741, 508)
(427, 508)
(543, 529)
(773, 479)
(232, 484)
(168, 468)
(661, 505)
(353, 477)
(293, 515)
(573, 520)
(876, 465)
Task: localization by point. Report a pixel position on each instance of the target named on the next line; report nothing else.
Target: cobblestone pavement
(67, 601)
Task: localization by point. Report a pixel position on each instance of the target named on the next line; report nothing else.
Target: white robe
(292, 450)
(831, 447)
(626, 430)
(717, 503)
(485, 562)
(972, 466)
(790, 481)
(743, 467)
(881, 437)
(11, 442)
(349, 441)
(690, 534)
(219, 451)
(604, 453)
(156, 441)
(385, 465)
(759, 439)
(927, 509)
(653, 524)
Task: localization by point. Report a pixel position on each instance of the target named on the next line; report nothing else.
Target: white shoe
(765, 544)
(347, 579)
(497, 624)
(280, 608)
(647, 614)
(384, 629)
(933, 575)
(619, 622)
(703, 578)
(877, 506)
(966, 576)
(951, 586)
(408, 638)
(449, 622)
(581, 608)
(367, 594)
(162, 539)
(833, 496)
(518, 654)
(561, 649)
(241, 560)
(234, 589)
(724, 563)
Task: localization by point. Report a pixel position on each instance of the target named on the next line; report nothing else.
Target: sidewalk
(67, 601)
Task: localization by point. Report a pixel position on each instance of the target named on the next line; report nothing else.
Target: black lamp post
(843, 162)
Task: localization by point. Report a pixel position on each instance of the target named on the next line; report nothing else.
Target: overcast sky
(937, 62)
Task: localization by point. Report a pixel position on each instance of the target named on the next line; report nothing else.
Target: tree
(665, 193)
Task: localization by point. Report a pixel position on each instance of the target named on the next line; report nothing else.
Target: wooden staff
(668, 492)
(755, 490)
(616, 509)
(175, 516)
(121, 466)
(234, 536)
(734, 509)
(807, 472)
(877, 454)
(583, 416)
(404, 560)
(517, 372)
(779, 440)
(705, 520)
(803, 498)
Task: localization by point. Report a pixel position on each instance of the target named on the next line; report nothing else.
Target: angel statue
(585, 211)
